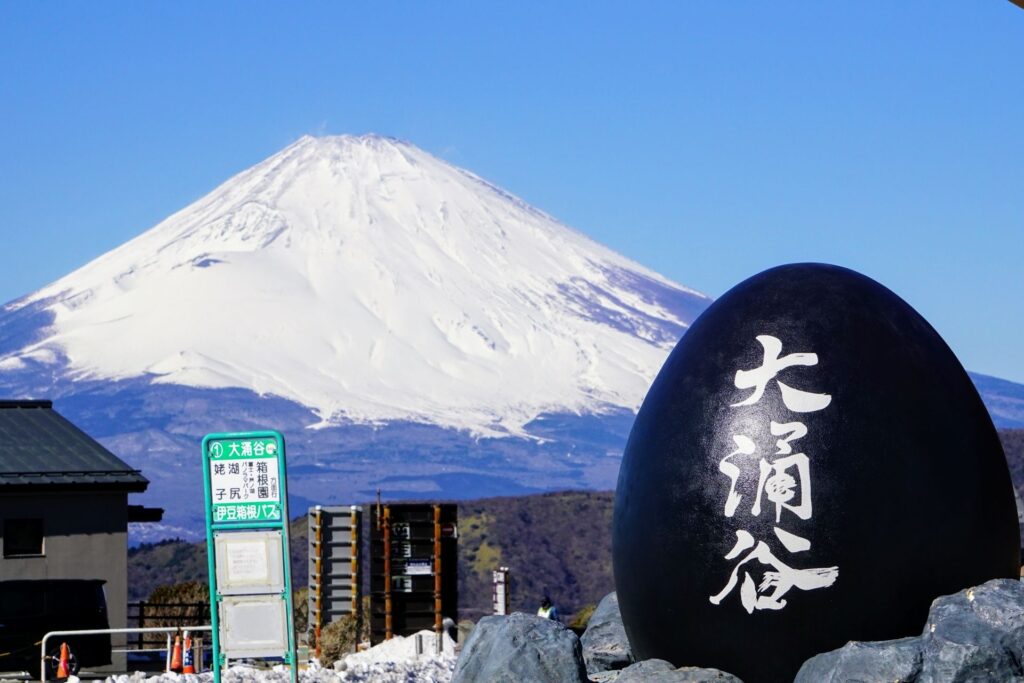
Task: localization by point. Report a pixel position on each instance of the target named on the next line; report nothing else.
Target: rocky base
(605, 647)
(520, 648)
(660, 671)
(974, 635)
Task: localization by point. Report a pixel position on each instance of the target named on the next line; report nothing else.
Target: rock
(696, 674)
(974, 635)
(647, 670)
(896, 661)
(520, 648)
(605, 646)
(660, 671)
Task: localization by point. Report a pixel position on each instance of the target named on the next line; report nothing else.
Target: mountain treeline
(554, 543)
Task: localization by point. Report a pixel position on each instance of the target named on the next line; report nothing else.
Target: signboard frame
(330, 529)
(417, 537)
(217, 529)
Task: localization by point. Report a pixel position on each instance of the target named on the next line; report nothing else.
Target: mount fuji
(407, 325)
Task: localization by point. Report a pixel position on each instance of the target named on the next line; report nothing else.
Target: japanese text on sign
(783, 479)
(244, 480)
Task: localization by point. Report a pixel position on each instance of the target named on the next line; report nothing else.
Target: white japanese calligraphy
(784, 480)
(744, 446)
(779, 581)
(757, 379)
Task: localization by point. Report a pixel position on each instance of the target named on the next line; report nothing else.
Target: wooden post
(357, 608)
(438, 622)
(318, 574)
(388, 632)
(142, 624)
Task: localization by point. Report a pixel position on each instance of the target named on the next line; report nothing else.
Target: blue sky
(708, 141)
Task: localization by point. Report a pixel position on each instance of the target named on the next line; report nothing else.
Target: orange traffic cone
(176, 655)
(187, 666)
(64, 665)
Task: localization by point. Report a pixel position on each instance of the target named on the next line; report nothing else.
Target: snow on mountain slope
(370, 282)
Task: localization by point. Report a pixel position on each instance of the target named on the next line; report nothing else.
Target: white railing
(169, 630)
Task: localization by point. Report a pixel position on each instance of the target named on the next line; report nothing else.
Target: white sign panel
(419, 568)
(253, 626)
(249, 561)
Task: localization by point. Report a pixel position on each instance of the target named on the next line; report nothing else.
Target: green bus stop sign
(245, 478)
(247, 542)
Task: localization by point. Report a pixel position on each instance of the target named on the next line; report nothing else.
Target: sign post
(500, 590)
(247, 541)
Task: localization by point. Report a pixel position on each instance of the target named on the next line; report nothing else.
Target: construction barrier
(101, 631)
(64, 665)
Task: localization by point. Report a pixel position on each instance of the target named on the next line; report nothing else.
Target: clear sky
(706, 140)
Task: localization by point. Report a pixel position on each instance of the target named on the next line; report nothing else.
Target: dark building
(64, 515)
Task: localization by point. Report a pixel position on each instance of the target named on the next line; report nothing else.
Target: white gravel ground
(393, 661)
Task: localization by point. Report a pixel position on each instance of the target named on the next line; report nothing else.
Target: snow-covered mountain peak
(370, 281)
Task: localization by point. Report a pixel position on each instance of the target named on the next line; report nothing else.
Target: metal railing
(169, 630)
(180, 614)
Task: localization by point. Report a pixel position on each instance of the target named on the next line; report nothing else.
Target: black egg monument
(812, 465)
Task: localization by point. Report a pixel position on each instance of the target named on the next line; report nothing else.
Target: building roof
(38, 447)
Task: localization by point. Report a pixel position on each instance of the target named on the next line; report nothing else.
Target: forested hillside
(558, 543)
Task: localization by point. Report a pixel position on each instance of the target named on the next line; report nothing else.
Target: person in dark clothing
(547, 609)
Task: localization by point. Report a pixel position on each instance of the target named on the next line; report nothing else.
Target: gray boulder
(974, 635)
(660, 671)
(605, 646)
(654, 670)
(895, 661)
(520, 648)
(696, 674)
